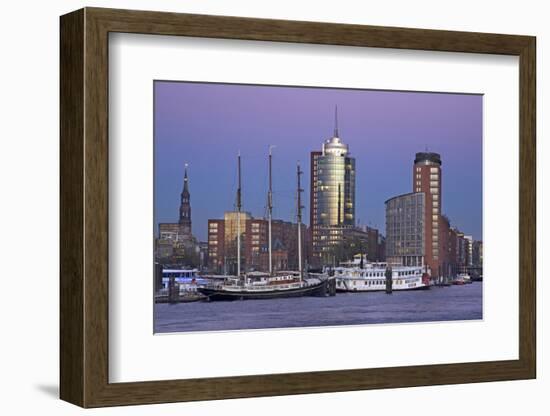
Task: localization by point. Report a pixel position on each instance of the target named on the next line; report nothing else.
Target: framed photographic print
(255, 207)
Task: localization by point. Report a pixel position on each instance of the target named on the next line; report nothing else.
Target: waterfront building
(461, 256)
(477, 254)
(466, 254)
(373, 242)
(445, 258)
(406, 230)
(216, 245)
(452, 237)
(175, 243)
(222, 240)
(332, 196)
(427, 179)
(416, 231)
(469, 250)
(444, 250)
(381, 247)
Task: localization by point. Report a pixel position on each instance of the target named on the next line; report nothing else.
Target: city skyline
(383, 129)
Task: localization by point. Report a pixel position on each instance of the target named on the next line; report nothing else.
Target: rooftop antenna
(336, 121)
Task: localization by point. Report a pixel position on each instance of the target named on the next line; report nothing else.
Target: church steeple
(185, 206)
(185, 181)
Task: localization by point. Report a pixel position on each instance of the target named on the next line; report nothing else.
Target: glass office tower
(405, 229)
(332, 197)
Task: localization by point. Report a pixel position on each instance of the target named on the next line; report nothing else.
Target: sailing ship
(361, 276)
(270, 285)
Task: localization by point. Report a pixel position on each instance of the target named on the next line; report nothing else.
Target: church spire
(185, 180)
(185, 206)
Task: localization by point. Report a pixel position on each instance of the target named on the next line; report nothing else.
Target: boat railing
(255, 288)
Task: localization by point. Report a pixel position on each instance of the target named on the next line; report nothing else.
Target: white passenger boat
(372, 277)
(184, 277)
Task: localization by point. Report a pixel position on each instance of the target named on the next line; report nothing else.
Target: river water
(437, 304)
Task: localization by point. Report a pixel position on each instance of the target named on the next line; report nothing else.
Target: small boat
(180, 286)
(462, 279)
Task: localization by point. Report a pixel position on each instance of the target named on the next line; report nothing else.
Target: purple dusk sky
(205, 125)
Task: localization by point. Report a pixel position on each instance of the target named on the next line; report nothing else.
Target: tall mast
(239, 215)
(270, 213)
(299, 218)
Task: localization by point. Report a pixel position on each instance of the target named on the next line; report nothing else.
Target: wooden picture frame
(84, 207)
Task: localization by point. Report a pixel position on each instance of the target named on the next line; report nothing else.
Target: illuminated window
(433, 170)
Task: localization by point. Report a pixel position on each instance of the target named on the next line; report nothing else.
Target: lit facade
(332, 197)
(469, 250)
(222, 244)
(427, 179)
(216, 245)
(231, 228)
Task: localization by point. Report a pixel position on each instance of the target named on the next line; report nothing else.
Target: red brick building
(417, 232)
(216, 244)
(427, 179)
(445, 255)
(222, 249)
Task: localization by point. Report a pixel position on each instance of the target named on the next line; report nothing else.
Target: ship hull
(213, 294)
(340, 290)
(344, 285)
